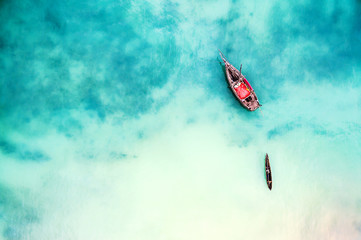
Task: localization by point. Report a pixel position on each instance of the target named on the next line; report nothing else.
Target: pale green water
(117, 123)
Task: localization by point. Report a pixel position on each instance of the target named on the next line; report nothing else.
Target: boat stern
(251, 102)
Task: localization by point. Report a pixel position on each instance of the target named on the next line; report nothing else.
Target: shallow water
(117, 123)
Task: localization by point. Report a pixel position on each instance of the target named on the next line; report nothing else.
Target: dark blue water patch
(357, 17)
(2, 43)
(320, 130)
(21, 152)
(56, 23)
(94, 35)
(6, 147)
(16, 214)
(92, 102)
(331, 32)
(11, 233)
(113, 156)
(140, 134)
(32, 156)
(317, 129)
(117, 155)
(282, 129)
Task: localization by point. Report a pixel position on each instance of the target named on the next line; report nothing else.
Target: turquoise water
(117, 123)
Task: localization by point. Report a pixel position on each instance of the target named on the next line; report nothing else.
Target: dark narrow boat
(240, 86)
(268, 173)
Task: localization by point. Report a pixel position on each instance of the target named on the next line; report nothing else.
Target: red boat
(240, 86)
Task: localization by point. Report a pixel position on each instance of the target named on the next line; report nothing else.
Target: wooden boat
(268, 173)
(240, 87)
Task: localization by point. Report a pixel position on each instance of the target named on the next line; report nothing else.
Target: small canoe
(240, 87)
(268, 173)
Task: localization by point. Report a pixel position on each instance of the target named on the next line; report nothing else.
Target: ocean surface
(116, 121)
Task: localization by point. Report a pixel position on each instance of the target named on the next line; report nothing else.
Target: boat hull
(240, 87)
(268, 172)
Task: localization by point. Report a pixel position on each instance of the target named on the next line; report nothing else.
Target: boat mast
(222, 56)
